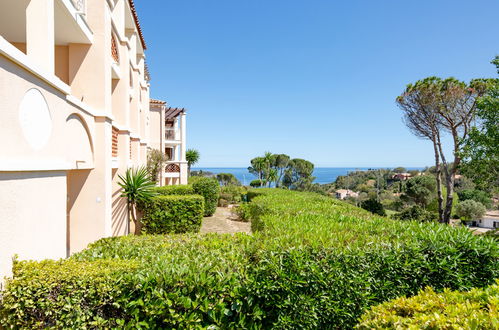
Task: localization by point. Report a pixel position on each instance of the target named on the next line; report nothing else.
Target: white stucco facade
(74, 114)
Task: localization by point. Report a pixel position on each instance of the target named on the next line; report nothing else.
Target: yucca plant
(137, 188)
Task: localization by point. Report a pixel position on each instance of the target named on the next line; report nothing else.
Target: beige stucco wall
(32, 216)
(62, 63)
(15, 82)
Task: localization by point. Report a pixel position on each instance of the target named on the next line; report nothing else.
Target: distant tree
(156, 160)
(432, 106)
(477, 196)
(420, 190)
(281, 161)
(399, 170)
(480, 150)
(470, 210)
(192, 157)
(257, 168)
(419, 105)
(298, 174)
(227, 179)
(373, 206)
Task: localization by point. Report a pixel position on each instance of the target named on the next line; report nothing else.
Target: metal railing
(171, 134)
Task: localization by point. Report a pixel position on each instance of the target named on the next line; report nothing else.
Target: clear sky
(315, 79)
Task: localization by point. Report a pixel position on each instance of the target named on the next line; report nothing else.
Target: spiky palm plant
(137, 188)
(192, 157)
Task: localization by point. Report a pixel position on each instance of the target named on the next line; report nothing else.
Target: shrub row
(206, 187)
(475, 309)
(210, 190)
(173, 214)
(312, 262)
(184, 189)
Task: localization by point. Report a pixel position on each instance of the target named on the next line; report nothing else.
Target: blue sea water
(322, 174)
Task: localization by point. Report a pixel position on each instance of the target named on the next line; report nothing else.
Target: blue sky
(315, 79)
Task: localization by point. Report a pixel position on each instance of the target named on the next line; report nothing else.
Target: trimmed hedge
(173, 214)
(210, 190)
(184, 189)
(312, 262)
(475, 309)
(65, 294)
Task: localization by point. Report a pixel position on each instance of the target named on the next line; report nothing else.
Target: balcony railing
(171, 134)
(172, 168)
(80, 5)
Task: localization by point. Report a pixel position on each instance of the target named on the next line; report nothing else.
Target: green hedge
(475, 309)
(66, 294)
(210, 190)
(184, 189)
(173, 214)
(312, 262)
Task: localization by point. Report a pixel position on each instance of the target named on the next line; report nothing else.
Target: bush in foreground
(476, 309)
(312, 262)
(173, 214)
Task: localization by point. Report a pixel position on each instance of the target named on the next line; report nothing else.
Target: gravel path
(223, 221)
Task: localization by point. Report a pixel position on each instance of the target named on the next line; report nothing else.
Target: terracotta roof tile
(154, 101)
(136, 18)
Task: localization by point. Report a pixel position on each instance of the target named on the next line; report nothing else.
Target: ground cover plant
(312, 262)
(475, 309)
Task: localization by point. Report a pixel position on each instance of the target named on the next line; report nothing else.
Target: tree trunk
(133, 216)
(440, 197)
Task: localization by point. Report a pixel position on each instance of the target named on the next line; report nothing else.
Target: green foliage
(255, 183)
(420, 190)
(173, 214)
(417, 213)
(210, 190)
(156, 159)
(480, 151)
(192, 156)
(138, 188)
(373, 206)
(476, 195)
(227, 179)
(232, 194)
(312, 262)
(298, 174)
(65, 294)
(470, 210)
(475, 309)
(184, 189)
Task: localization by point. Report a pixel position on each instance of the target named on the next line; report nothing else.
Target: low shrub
(373, 206)
(184, 189)
(416, 213)
(312, 262)
(475, 195)
(210, 190)
(232, 194)
(475, 309)
(470, 210)
(173, 214)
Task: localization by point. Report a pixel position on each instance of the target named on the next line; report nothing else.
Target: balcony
(172, 135)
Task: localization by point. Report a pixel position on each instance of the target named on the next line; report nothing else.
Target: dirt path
(223, 222)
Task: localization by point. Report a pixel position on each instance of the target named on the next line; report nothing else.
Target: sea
(322, 175)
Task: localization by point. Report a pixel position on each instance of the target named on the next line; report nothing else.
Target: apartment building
(75, 113)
